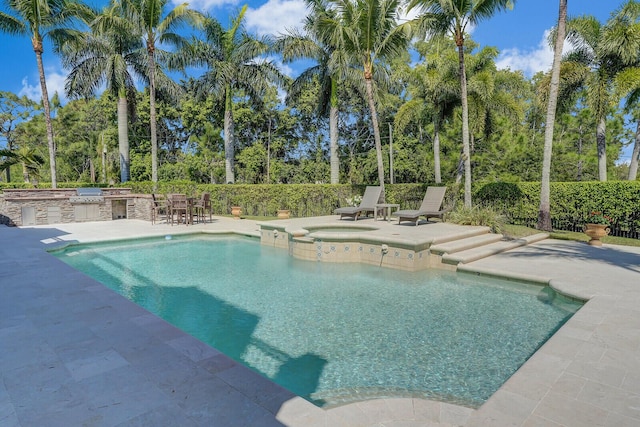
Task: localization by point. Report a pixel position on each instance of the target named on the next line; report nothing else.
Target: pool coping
(584, 375)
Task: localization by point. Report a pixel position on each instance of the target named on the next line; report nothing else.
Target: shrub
(478, 215)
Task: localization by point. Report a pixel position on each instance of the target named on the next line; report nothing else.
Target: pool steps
(485, 250)
(447, 251)
(464, 244)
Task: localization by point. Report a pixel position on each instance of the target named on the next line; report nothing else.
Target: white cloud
(530, 61)
(276, 16)
(55, 83)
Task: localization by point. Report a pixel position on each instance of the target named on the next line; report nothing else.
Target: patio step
(476, 253)
(464, 244)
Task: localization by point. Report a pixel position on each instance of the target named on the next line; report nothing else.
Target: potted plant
(236, 211)
(597, 227)
(284, 213)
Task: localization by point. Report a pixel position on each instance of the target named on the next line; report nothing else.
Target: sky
(519, 34)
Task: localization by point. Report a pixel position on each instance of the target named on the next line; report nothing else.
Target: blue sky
(519, 34)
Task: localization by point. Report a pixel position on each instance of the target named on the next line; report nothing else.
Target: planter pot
(284, 213)
(596, 232)
(236, 211)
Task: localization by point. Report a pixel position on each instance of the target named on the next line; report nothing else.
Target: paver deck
(72, 352)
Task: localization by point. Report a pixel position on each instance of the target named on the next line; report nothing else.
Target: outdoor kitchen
(41, 206)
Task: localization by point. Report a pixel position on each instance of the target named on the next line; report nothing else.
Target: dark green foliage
(571, 202)
(500, 191)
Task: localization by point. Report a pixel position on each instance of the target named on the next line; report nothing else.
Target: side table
(386, 207)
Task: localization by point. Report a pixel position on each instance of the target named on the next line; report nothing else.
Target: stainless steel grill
(87, 195)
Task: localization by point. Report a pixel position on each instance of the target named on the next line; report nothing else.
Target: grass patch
(516, 231)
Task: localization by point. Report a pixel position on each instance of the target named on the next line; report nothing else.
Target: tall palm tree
(441, 17)
(602, 51)
(233, 62)
(148, 20)
(109, 54)
(314, 45)
(41, 19)
(435, 92)
(623, 36)
(544, 212)
(366, 32)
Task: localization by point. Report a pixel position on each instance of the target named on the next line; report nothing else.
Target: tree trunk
(25, 173)
(635, 157)
(544, 212)
(376, 134)
(333, 148)
(37, 48)
(152, 115)
(123, 139)
(229, 146)
(465, 126)
(602, 148)
(436, 149)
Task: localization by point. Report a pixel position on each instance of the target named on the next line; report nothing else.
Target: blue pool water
(334, 333)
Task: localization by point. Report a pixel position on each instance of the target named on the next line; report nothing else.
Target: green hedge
(571, 202)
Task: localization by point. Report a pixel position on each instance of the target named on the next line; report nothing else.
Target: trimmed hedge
(571, 203)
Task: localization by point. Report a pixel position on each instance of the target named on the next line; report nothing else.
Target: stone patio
(75, 353)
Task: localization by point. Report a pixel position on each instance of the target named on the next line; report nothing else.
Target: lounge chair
(431, 207)
(371, 197)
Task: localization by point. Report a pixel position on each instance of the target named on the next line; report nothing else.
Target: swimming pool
(334, 333)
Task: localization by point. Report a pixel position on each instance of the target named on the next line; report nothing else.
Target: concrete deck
(72, 352)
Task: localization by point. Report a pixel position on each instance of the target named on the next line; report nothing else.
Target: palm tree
(147, 19)
(441, 17)
(232, 60)
(316, 46)
(623, 35)
(108, 55)
(435, 92)
(366, 32)
(544, 212)
(40, 19)
(603, 51)
(29, 158)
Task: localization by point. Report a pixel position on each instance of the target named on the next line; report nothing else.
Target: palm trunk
(544, 212)
(602, 148)
(635, 157)
(466, 154)
(152, 115)
(376, 134)
(37, 47)
(123, 139)
(25, 173)
(229, 147)
(333, 135)
(436, 149)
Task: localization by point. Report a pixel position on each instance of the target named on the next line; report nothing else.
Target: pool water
(334, 333)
